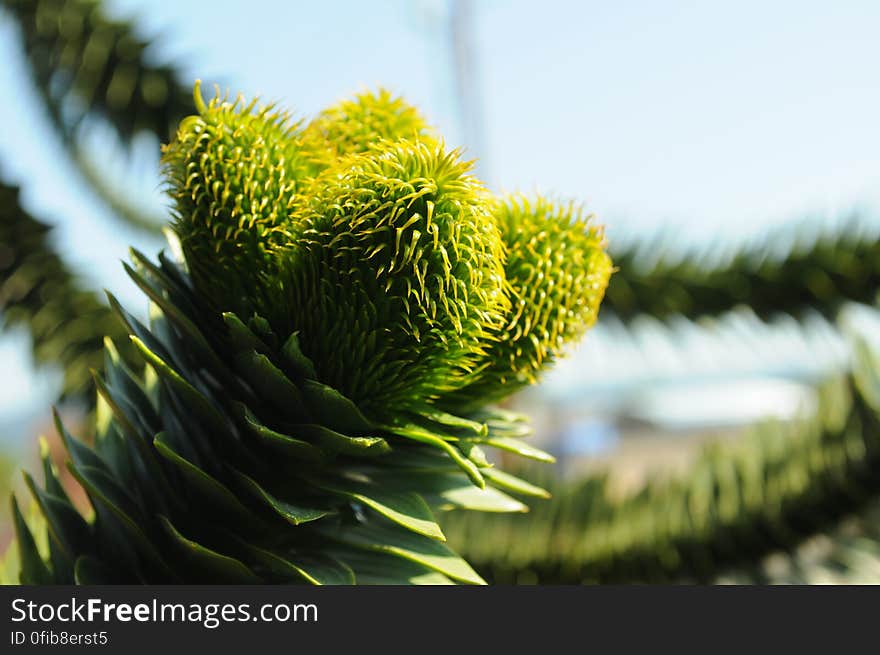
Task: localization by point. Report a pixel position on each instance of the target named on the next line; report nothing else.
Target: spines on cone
(401, 265)
(358, 124)
(557, 271)
(233, 172)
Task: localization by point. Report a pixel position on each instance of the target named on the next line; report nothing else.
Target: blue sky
(715, 118)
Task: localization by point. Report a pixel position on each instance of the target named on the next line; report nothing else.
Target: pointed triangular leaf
(512, 483)
(455, 491)
(219, 496)
(33, 569)
(296, 361)
(295, 448)
(271, 384)
(393, 540)
(405, 508)
(519, 447)
(192, 397)
(338, 442)
(290, 512)
(212, 564)
(333, 409)
(417, 433)
(325, 570)
(379, 569)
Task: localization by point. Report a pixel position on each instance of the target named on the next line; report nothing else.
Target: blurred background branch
(66, 321)
(804, 266)
(738, 502)
(88, 67)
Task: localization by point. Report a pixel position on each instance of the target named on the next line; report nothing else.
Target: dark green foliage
(229, 462)
(66, 321)
(230, 415)
(819, 273)
(737, 503)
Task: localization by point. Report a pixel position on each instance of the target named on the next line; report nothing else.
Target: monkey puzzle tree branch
(66, 321)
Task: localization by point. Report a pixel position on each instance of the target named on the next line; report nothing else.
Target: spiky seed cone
(233, 172)
(557, 271)
(233, 458)
(355, 125)
(401, 265)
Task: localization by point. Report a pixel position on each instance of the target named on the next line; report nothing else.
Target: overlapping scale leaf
(198, 475)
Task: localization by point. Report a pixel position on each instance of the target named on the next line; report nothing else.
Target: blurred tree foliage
(790, 273)
(67, 321)
(740, 501)
(734, 507)
(848, 553)
(87, 66)
(84, 62)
